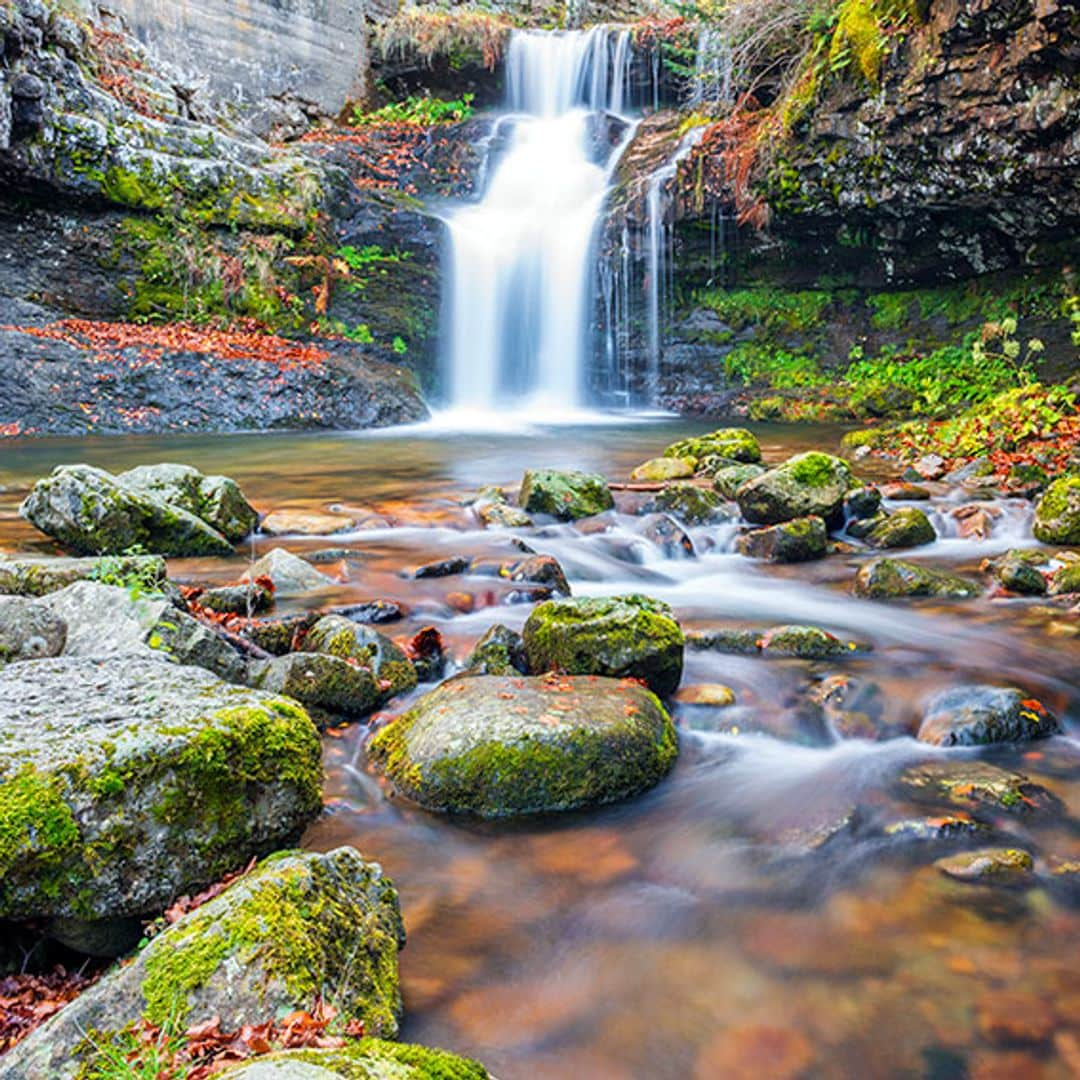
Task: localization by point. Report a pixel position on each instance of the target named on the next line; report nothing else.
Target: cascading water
(521, 268)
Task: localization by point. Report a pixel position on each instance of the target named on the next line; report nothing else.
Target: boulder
(126, 782)
(365, 1059)
(799, 540)
(91, 512)
(291, 575)
(657, 470)
(298, 929)
(990, 866)
(729, 479)
(365, 646)
(688, 503)
(105, 620)
(1066, 579)
(565, 495)
(501, 746)
(887, 579)
(905, 528)
(500, 651)
(1016, 571)
(304, 523)
(217, 500)
(29, 630)
(1057, 514)
(38, 575)
(319, 681)
(738, 444)
(621, 636)
(811, 484)
(978, 715)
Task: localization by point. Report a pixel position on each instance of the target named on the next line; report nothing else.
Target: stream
(751, 916)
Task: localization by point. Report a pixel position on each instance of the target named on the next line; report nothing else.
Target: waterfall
(519, 303)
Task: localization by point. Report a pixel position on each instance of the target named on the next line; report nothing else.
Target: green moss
(815, 470)
(736, 444)
(38, 831)
(362, 1060)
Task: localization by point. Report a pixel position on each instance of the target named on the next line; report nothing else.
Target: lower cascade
(520, 262)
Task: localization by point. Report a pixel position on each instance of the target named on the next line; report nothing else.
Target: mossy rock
(299, 928)
(805, 643)
(905, 528)
(862, 503)
(810, 484)
(794, 541)
(980, 715)
(1066, 579)
(565, 495)
(976, 787)
(620, 636)
(126, 782)
(1057, 514)
(319, 681)
(1016, 571)
(890, 579)
(365, 1059)
(501, 651)
(688, 503)
(34, 575)
(365, 646)
(90, 512)
(738, 444)
(730, 478)
(503, 746)
(657, 470)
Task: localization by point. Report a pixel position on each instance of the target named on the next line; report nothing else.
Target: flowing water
(705, 929)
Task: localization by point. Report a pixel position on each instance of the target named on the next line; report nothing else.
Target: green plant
(399, 346)
(139, 578)
(425, 111)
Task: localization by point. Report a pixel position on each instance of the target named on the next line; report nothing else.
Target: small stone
(862, 503)
(660, 469)
(989, 866)
(248, 599)
(542, 570)
(1017, 574)
(805, 643)
(304, 523)
(501, 651)
(456, 564)
(29, 630)
(904, 492)
(290, 574)
(930, 467)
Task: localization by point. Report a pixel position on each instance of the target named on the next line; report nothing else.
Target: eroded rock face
(299, 927)
(126, 782)
(502, 746)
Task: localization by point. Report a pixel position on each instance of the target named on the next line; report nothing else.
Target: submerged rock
(91, 512)
(886, 579)
(688, 503)
(498, 747)
(29, 630)
(976, 785)
(1057, 514)
(811, 484)
(126, 782)
(990, 866)
(39, 575)
(501, 651)
(660, 469)
(299, 928)
(977, 715)
(804, 643)
(365, 1059)
(320, 681)
(565, 495)
(290, 574)
(712, 695)
(305, 523)
(363, 645)
(794, 541)
(619, 636)
(668, 535)
(905, 528)
(738, 444)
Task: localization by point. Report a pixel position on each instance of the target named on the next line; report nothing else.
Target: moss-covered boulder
(1066, 579)
(217, 500)
(658, 470)
(29, 630)
(730, 478)
(493, 510)
(620, 636)
(565, 495)
(688, 503)
(737, 444)
(890, 579)
(503, 746)
(126, 782)
(862, 503)
(38, 575)
(978, 715)
(320, 681)
(90, 512)
(794, 541)
(500, 651)
(299, 928)
(365, 1059)
(1057, 514)
(905, 528)
(363, 645)
(810, 484)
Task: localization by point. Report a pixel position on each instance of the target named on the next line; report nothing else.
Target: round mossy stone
(621, 636)
(811, 484)
(565, 495)
(1057, 515)
(500, 746)
(737, 444)
(887, 579)
(905, 528)
(656, 470)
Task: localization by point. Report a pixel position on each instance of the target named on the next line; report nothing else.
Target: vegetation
(425, 110)
(462, 36)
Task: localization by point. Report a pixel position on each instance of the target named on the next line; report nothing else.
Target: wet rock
(621, 636)
(456, 564)
(498, 747)
(862, 503)
(1015, 571)
(978, 715)
(428, 654)
(298, 928)
(975, 786)
(713, 695)
(278, 636)
(29, 630)
(492, 508)
(799, 540)
(91, 512)
(105, 620)
(217, 500)
(40, 575)
(901, 529)
(333, 555)
(542, 570)
(125, 782)
(369, 1059)
(362, 645)
(319, 681)
(975, 521)
(728, 480)
(249, 599)
(688, 503)
(291, 575)
(565, 495)
(1066, 579)
(887, 579)
(853, 708)
(660, 469)
(501, 651)
(811, 484)
(990, 866)
(1064, 878)
(304, 523)
(670, 537)
(904, 492)
(371, 611)
(738, 641)
(737, 444)
(1057, 514)
(930, 830)
(804, 643)
(929, 467)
